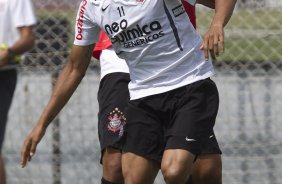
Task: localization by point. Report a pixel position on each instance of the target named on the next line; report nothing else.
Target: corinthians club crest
(117, 121)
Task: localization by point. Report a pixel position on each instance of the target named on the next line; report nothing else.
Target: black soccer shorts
(179, 119)
(113, 97)
(8, 80)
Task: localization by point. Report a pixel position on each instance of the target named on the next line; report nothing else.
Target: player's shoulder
(90, 4)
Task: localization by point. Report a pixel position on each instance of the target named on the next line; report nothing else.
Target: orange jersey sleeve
(103, 43)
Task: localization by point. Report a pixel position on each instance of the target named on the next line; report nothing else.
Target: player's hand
(3, 57)
(30, 143)
(213, 41)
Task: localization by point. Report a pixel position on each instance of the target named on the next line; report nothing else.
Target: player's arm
(26, 42)
(66, 84)
(214, 38)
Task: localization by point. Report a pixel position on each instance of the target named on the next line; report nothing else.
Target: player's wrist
(217, 22)
(9, 56)
(12, 56)
(42, 125)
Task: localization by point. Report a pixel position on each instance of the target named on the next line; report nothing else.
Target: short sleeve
(23, 13)
(192, 2)
(86, 30)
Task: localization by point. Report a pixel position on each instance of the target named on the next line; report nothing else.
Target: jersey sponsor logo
(137, 35)
(179, 10)
(117, 121)
(79, 24)
(144, 40)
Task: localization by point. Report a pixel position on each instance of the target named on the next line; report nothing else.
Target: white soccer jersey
(14, 14)
(111, 63)
(161, 48)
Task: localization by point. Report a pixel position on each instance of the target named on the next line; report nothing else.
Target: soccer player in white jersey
(113, 94)
(173, 103)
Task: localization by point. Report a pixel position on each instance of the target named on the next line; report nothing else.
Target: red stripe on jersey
(104, 42)
(191, 11)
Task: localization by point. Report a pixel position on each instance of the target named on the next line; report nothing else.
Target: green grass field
(251, 35)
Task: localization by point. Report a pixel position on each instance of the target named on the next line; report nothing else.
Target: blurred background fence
(249, 80)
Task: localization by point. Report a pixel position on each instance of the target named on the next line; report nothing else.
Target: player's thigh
(207, 169)
(207, 162)
(144, 143)
(138, 170)
(112, 169)
(112, 157)
(177, 163)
